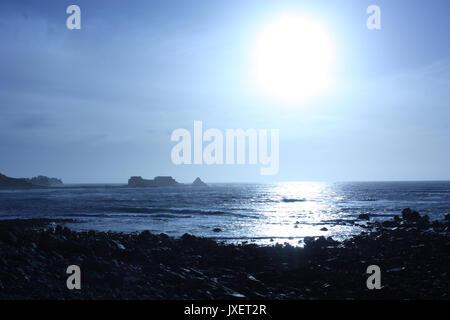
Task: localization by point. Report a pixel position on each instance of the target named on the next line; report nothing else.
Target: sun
(293, 58)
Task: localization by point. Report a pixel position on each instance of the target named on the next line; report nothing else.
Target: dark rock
(388, 224)
(199, 183)
(409, 215)
(217, 230)
(321, 241)
(58, 229)
(163, 236)
(424, 222)
(44, 181)
(144, 236)
(188, 237)
(364, 216)
(8, 237)
(323, 229)
(139, 182)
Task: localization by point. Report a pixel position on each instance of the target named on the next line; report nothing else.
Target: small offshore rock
(364, 216)
(217, 230)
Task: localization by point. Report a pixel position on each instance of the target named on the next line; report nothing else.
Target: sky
(99, 104)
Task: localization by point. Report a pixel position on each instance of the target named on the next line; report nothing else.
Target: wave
(293, 200)
(118, 214)
(166, 211)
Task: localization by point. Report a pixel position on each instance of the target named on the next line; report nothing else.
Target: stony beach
(412, 252)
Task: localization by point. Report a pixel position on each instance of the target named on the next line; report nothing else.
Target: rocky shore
(412, 252)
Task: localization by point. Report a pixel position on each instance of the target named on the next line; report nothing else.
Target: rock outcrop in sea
(44, 181)
(161, 181)
(199, 183)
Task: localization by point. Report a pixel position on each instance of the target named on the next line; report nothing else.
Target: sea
(263, 214)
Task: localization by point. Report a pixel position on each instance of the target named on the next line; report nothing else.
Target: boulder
(409, 215)
(424, 222)
(388, 224)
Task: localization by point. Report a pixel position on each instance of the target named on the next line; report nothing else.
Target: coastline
(412, 252)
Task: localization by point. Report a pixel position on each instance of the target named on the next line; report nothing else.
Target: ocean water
(259, 213)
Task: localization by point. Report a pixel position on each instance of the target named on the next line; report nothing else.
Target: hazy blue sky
(99, 104)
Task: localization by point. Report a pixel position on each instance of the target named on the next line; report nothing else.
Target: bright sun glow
(293, 59)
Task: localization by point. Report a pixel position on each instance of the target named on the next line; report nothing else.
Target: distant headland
(26, 183)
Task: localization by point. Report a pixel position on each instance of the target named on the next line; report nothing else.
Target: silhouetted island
(44, 181)
(26, 183)
(139, 182)
(161, 181)
(199, 183)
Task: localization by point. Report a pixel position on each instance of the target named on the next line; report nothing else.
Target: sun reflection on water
(298, 210)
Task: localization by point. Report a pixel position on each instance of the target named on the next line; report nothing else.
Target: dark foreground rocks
(413, 254)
